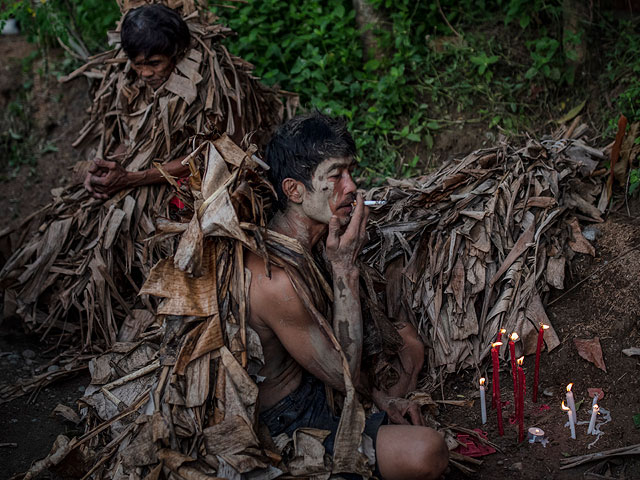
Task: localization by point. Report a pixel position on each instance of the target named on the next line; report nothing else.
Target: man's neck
(296, 224)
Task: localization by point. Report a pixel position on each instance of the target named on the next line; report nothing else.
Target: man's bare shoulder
(273, 291)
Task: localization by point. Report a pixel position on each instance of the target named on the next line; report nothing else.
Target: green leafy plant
(634, 180)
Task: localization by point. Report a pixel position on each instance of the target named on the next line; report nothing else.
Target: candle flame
(514, 337)
(564, 407)
(596, 408)
(503, 331)
(482, 381)
(496, 344)
(520, 361)
(544, 326)
(569, 387)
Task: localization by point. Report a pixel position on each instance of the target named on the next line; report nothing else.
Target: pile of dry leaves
(475, 246)
(460, 253)
(78, 276)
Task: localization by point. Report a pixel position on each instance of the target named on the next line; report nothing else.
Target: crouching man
(311, 159)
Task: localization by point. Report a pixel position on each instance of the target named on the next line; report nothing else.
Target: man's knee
(433, 455)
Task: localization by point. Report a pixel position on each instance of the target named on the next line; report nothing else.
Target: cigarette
(372, 203)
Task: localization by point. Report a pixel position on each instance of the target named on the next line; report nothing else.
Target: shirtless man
(311, 159)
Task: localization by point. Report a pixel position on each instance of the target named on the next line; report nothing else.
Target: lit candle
(499, 337)
(571, 424)
(536, 372)
(594, 415)
(571, 403)
(512, 353)
(483, 405)
(595, 400)
(521, 388)
(496, 384)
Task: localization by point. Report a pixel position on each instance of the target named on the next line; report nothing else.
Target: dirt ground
(606, 304)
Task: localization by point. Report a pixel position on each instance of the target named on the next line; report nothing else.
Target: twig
(10, 445)
(579, 460)
(444, 17)
(132, 376)
(603, 267)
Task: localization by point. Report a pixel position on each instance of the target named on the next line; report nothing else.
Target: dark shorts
(307, 407)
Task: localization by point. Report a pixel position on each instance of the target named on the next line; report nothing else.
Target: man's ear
(293, 189)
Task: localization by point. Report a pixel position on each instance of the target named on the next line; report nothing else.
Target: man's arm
(275, 303)
(106, 178)
(342, 251)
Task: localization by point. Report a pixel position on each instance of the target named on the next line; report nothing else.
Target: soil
(606, 304)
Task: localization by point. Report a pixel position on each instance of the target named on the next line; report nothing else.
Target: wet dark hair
(300, 145)
(154, 30)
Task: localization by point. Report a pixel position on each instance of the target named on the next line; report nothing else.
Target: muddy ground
(606, 304)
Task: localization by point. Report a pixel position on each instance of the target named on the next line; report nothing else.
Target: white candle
(571, 403)
(595, 400)
(572, 425)
(483, 405)
(594, 415)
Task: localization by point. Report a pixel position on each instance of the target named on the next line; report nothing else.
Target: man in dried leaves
(154, 37)
(311, 159)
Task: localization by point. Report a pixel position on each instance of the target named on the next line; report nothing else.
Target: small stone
(500, 462)
(14, 420)
(33, 420)
(548, 392)
(591, 233)
(81, 388)
(516, 467)
(29, 354)
(53, 368)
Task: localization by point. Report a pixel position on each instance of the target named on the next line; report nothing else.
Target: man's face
(333, 191)
(153, 70)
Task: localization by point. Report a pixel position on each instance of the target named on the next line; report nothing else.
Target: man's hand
(398, 408)
(342, 250)
(105, 178)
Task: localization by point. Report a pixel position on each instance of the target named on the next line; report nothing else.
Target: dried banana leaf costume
(182, 400)
(80, 274)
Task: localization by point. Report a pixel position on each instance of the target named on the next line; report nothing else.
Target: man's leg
(410, 361)
(407, 452)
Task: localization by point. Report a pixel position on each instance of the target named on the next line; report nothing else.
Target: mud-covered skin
(291, 339)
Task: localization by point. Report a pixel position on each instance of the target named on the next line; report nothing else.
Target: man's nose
(349, 184)
(146, 72)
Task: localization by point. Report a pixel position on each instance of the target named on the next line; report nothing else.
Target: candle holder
(535, 435)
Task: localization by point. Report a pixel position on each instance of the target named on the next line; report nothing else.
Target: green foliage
(634, 180)
(17, 146)
(77, 23)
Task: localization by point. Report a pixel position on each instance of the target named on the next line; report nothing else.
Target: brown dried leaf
(183, 294)
(67, 413)
(591, 351)
(579, 243)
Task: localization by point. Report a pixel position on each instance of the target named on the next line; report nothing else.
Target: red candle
(512, 353)
(536, 372)
(496, 384)
(500, 333)
(522, 388)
